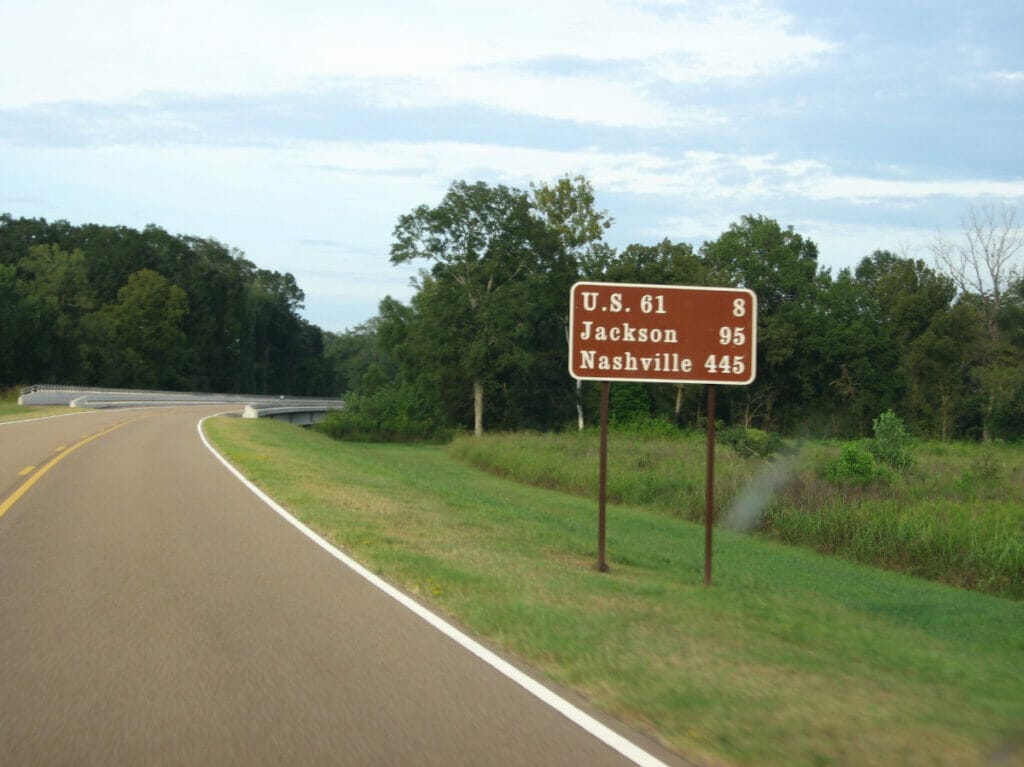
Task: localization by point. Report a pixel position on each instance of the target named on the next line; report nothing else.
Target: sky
(298, 132)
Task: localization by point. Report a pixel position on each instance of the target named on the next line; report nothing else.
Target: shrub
(389, 414)
(855, 465)
(892, 443)
(984, 472)
(646, 426)
(628, 402)
(751, 442)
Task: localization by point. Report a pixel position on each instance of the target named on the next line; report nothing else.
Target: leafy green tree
(781, 267)
(568, 209)
(855, 354)
(243, 330)
(892, 444)
(906, 293)
(866, 322)
(778, 264)
(939, 366)
(424, 339)
(667, 263)
(358, 354)
(275, 340)
(138, 341)
(1008, 416)
(113, 253)
(486, 246)
(902, 298)
(57, 296)
(14, 327)
(215, 278)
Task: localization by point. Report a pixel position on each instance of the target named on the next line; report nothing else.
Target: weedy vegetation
(947, 512)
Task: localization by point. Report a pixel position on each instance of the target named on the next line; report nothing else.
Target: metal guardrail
(303, 415)
(96, 397)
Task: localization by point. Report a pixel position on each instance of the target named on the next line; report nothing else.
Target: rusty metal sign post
(602, 492)
(709, 487)
(661, 334)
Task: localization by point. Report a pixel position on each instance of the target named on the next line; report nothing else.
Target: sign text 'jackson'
(655, 333)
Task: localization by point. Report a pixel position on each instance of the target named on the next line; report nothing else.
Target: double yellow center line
(14, 497)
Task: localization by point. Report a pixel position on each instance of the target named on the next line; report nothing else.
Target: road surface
(154, 611)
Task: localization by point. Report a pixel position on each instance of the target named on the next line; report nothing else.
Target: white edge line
(44, 417)
(600, 731)
(84, 411)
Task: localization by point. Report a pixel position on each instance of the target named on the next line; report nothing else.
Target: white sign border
(703, 289)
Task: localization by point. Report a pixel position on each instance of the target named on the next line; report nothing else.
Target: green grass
(11, 411)
(790, 658)
(957, 516)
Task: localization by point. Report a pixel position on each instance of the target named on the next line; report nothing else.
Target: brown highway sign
(662, 333)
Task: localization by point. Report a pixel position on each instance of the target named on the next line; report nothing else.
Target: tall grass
(665, 474)
(956, 516)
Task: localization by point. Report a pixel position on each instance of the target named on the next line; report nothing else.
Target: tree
(1008, 418)
(982, 265)
(568, 209)
(856, 355)
(139, 341)
(356, 355)
(903, 299)
(781, 267)
(57, 295)
(485, 245)
(215, 278)
(667, 263)
(242, 329)
(985, 261)
(939, 366)
(14, 330)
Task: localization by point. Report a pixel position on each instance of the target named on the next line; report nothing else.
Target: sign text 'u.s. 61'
(662, 333)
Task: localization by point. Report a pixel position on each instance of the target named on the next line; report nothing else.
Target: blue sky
(298, 132)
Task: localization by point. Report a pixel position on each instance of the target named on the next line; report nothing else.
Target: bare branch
(985, 262)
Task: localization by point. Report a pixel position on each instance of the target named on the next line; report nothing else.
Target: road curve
(154, 611)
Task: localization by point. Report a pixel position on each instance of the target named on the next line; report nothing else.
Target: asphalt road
(154, 611)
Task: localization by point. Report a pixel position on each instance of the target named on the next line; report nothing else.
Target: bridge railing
(89, 396)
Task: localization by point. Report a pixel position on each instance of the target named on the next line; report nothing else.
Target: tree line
(114, 306)
(483, 339)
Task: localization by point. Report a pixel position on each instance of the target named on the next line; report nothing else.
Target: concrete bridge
(299, 410)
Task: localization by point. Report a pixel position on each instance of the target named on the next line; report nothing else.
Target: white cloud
(505, 54)
(383, 177)
(354, 169)
(615, 103)
(1008, 78)
(861, 189)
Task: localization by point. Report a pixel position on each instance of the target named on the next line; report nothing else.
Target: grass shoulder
(789, 658)
(11, 411)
